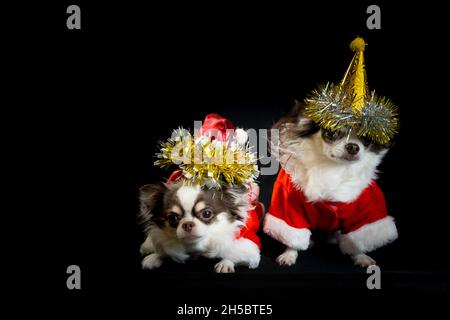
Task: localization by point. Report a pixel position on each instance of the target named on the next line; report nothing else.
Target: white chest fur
(328, 182)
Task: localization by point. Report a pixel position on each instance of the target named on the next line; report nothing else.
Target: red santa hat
(222, 129)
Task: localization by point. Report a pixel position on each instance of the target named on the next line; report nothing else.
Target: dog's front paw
(152, 261)
(253, 263)
(363, 260)
(224, 266)
(287, 258)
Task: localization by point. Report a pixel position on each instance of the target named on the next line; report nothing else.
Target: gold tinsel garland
(208, 162)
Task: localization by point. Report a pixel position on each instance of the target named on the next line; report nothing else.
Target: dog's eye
(172, 217)
(330, 135)
(366, 141)
(206, 214)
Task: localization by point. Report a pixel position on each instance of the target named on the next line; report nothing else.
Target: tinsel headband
(350, 104)
(213, 158)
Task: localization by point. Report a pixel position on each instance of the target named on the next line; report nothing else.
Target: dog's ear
(296, 122)
(236, 200)
(151, 196)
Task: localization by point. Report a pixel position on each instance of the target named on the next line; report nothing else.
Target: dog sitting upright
(184, 218)
(329, 149)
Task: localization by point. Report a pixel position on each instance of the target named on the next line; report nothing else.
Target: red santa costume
(364, 222)
(220, 128)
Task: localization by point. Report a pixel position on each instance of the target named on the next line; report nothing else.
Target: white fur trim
(369, 237)
(292, 237)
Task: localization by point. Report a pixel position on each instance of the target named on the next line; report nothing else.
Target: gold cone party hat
(355, 78)
(350, 104)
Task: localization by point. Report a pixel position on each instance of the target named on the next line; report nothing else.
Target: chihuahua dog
(182, 221)
(327, 182)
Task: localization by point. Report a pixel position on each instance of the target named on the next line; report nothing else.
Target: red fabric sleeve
(287, 202)
(251, 227)
(369, 207)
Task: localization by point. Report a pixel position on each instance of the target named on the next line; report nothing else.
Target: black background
(95, 102)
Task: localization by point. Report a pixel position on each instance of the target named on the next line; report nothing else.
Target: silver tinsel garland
(331, 108)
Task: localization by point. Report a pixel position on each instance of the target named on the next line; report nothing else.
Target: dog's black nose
(187, 226)
(352, 148)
